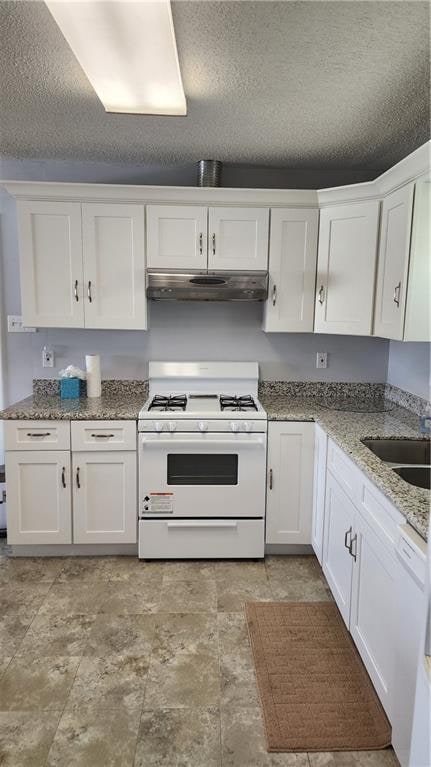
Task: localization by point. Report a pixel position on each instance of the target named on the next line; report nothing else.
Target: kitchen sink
(401, 451)
(415, 475)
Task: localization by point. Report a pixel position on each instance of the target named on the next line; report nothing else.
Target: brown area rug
(315, 691)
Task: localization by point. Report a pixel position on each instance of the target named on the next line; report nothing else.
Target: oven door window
(191, 469)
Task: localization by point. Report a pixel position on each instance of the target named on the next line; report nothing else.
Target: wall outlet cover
(47, 358)
(321, 360)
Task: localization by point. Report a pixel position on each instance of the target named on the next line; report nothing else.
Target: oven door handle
(203, 523)
(232, 443)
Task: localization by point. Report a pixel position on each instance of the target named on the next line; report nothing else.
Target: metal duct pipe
(209, 172)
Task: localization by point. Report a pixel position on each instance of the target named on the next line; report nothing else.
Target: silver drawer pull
(78, 481)
(39, 434)
(321, 295)
(397, 290)
(201, 243)
(351, 552)
(90, 297)
(63, 476)
(75, 291)
(214, 244)
(348, 532)
(274, 295)
(270, 479)
(201, 524)
(103, 436)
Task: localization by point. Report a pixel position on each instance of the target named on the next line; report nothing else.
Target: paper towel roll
(94, 383)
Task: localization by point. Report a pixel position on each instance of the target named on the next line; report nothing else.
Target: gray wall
(409, 367)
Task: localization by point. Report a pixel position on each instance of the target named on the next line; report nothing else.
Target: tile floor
(113, 662)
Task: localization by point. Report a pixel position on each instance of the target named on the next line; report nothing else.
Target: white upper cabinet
(238, 239)
(292, 270)
(50, 243)
(177, 236)
(418, 305)
(346, 268)
(290, 482)
(114, 266)
(393, 263)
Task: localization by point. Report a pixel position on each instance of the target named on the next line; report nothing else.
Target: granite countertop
(347, 429)
(112, 406)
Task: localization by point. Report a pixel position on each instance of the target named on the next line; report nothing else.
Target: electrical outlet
(47, 358)
(321, 360)
(14, 325)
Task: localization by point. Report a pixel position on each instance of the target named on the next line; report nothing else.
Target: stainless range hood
(206, 286)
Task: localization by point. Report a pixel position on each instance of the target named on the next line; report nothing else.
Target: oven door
(202, 475)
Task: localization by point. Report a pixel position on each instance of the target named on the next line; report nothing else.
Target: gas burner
(171, 403)
(230, 403)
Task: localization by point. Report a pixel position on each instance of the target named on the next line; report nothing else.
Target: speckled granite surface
(347, 429)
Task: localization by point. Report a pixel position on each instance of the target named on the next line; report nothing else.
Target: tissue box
(70, 388)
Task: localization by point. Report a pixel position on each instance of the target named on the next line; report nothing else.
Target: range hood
(206, 286)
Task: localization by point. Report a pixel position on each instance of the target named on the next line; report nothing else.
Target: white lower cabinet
(104, 497)
(320, 452)
(38, 497)
(289, 503)
(337, 560)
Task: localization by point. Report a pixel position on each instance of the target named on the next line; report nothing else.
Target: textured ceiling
(300, 84)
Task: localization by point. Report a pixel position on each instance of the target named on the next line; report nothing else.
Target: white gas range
(202, 462)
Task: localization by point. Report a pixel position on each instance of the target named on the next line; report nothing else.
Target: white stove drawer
(201, 538)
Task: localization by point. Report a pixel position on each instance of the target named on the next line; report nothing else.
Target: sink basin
(411, 451)
(415, 475)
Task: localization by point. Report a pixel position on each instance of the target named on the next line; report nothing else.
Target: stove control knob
(202, 426)
(234, 426)
(172, 425)
(158, 426)
(247, 426)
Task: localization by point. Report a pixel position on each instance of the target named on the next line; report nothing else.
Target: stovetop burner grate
(231, 403)
(170, 403)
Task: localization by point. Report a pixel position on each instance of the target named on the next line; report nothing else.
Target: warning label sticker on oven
(158, 503)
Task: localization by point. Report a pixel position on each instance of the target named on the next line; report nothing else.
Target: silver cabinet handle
(214, 244)
(39, 434)
(78, 481)
(75, 291)
(270, 479)
(353, 541)
(201, 243)
(90, 298)
(63, 476)
(348, 532)
(103, 436)
(397, 290)
(274, 295)
(321, 295)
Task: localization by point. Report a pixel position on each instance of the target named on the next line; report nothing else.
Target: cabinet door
(114, 266)
(50, 251)
(177, 237)
(290, 482)
(346, 268)
(337, 561)
(238, 239)
(292, 271)
(320, 451)
(38, 497)
(418, 303)
(372, 622)
(104, 497)
(393, 263)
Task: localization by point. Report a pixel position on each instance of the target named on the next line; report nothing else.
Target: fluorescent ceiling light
(128, 51)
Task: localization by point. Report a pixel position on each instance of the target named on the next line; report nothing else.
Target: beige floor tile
(179, 738)
(115, 682)
(37, 684)
(232, 595)
(92, 738)
(85, 569)
(185, 570)
(233, 633)
(385, 758)
(57, 635)
(187, 680)
(4, 663)
(19, 597)
(188, 596)
(74, 598)
(126, 568)
(121, 635)
(30, 569)
(13, 628)
(185, 633)
(249, 571)
(238, 681)
(26, 737)
(131, 597)
(297, 579)
(243, 742)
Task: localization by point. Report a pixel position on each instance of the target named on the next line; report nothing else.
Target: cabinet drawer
(344, 471)
(380, 514)
(103, 435)
(201, 538)
(37, 435)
